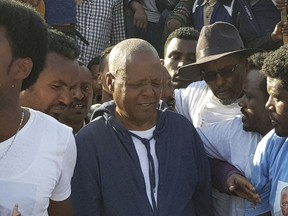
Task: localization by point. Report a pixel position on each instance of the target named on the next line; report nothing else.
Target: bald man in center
(134, 159)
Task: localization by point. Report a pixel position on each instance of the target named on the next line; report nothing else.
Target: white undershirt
(142, 155)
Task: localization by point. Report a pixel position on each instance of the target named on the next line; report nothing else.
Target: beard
(227, 101)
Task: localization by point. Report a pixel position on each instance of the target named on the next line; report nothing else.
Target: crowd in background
(167, 101)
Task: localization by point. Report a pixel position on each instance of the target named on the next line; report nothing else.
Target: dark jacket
(108, 179)
(219, 13)
(255, 20)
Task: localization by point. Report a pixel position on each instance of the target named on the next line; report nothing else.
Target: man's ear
(23, 68)
(110, 81)
(99, 78)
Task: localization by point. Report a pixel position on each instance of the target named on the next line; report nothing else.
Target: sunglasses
(224, 73)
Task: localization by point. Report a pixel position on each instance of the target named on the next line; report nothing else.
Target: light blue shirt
(269, 173)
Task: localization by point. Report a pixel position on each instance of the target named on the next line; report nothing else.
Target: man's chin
(249, 128)
(226, 101)
(280, 132)
(246, 128)
(55, 115)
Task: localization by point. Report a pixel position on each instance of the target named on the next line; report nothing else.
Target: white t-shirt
(38, 166)
(198, 104)
(144, 162)
(226, 140)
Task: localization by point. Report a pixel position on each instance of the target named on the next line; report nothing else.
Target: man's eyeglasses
(284, 205)
(224, 73)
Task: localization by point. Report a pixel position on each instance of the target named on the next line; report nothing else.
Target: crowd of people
(143, 107)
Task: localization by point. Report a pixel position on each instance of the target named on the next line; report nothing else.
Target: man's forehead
(178, 43)
(253, 78)
(223, 62)
(144, 75)
(58, 76)
(273, 82)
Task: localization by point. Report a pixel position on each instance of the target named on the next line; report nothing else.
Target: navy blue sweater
(108, 180)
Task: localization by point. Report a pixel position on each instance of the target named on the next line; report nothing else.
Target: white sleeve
(182, 105)
(215, 139)
(190, 101)
(63, 188)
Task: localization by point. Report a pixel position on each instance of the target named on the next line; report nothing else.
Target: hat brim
(248, 51)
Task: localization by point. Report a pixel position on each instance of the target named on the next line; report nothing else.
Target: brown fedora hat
(218, 40)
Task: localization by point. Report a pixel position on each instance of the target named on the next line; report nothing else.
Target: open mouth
(58, 109)
(145, 105)
(78, 106)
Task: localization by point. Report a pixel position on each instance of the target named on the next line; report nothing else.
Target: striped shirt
(101, 22)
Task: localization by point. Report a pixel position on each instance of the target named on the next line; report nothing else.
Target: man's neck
(9, 122)
(106, 97)
(77, 126)
(136, 126)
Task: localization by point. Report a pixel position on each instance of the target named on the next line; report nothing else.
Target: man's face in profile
(284, 203)
(225, 77)
(179, 52)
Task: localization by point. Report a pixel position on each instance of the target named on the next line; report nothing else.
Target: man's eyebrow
(59, 82)
(175, 52)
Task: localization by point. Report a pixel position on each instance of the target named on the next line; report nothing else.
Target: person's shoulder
(179, 119)
(50, 134)
(270, 135)
(272, 138)
(234, 123)
(42, 120)
(194, 88)
(94, 128)
(196, 85)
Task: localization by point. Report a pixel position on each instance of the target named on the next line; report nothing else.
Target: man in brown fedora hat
(221, 58)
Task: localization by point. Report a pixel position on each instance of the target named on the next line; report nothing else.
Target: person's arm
(220, 172)
(118, 29)
(266, 214)
(227, 179)
(270, 41)
(140, 17)
(60, 203)
(180, 15)
(256, 37)
(86, 191)
(63, 208)
(202, 196)
(280, 4)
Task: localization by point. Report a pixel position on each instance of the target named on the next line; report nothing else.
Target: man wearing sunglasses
(221, 58)
(222, 61)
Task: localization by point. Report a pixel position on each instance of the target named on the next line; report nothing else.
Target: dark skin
(140, 17)
(63, 208)
(33, 3)
(240, 186)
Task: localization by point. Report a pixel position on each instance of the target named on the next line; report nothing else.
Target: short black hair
(103, 58)
(276, 66)
(185, 33)
(256, 61)
(94, 61)
(63, 44)
(27, 35)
